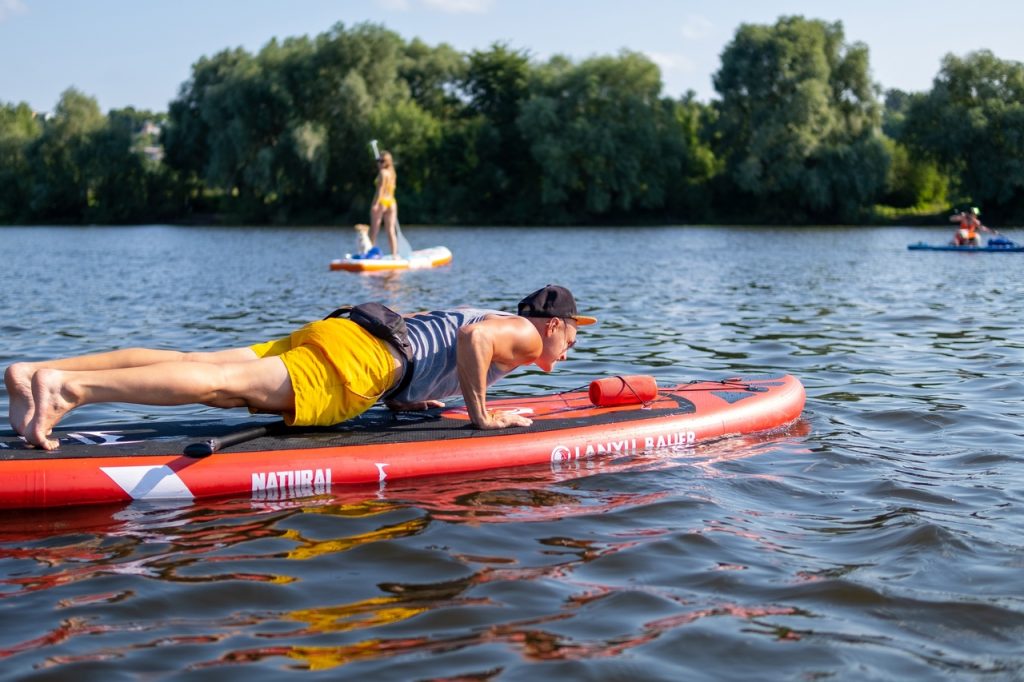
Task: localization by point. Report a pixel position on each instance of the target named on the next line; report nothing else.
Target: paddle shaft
(207, 447)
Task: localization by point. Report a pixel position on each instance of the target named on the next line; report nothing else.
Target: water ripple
(878, 538)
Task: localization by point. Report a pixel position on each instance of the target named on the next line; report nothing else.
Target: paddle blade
(404, 248)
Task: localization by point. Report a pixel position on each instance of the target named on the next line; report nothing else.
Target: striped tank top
(432, 337)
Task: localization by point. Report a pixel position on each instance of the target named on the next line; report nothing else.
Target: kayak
(419, 259)
(997, 245)
(170, 460)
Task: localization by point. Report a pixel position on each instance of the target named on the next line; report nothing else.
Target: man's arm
(508, 341)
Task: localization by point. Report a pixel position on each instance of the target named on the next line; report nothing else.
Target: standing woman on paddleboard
(385, 206)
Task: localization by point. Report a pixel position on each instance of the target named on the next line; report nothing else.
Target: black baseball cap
(553, 301)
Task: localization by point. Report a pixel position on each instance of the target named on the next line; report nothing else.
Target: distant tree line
(798, 134)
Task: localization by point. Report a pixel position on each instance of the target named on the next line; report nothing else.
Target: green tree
(690, 161)
(914, 181)
(434, 76)
(237, 127)
(596, 133)
(798, 122)
(488, 164)
(894, 112)
(19, 127)
(60, 157)
(187, 136)
(357, 74)
(971, 124)
(284, 133)
(125, 184)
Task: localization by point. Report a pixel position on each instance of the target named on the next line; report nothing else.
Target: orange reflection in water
(529, 637)
(117, 539)
(116, 535)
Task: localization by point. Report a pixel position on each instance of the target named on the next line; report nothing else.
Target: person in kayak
(970, 224)
(385, 207)
(322, 374)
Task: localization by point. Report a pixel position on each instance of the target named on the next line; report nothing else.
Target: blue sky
(138, 52)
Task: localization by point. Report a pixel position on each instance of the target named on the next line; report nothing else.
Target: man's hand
(500, 419)
(413, 407)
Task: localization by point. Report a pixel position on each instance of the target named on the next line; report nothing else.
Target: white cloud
(460, 6)
(8, 8)
(696, 27)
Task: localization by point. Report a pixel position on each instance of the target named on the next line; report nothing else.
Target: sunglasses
(569, 344)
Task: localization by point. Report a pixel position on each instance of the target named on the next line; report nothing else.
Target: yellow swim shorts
(338, 370)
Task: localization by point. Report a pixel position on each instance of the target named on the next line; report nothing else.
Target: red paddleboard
(147, 461)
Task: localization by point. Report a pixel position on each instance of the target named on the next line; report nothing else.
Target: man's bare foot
(18, 379)
(52, 401)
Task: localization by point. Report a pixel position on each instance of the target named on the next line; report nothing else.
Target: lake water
(879, 538)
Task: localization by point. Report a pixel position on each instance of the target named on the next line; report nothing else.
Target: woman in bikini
(385, 207)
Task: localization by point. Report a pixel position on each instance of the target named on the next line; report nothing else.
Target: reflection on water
(877, 538)
(213, 543)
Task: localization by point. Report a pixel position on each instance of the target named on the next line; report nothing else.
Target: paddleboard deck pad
(418, 260)
(147, 461)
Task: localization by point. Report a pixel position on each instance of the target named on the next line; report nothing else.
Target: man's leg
(18, 377)
(376, 213)
(391, 218)
(262, 384)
